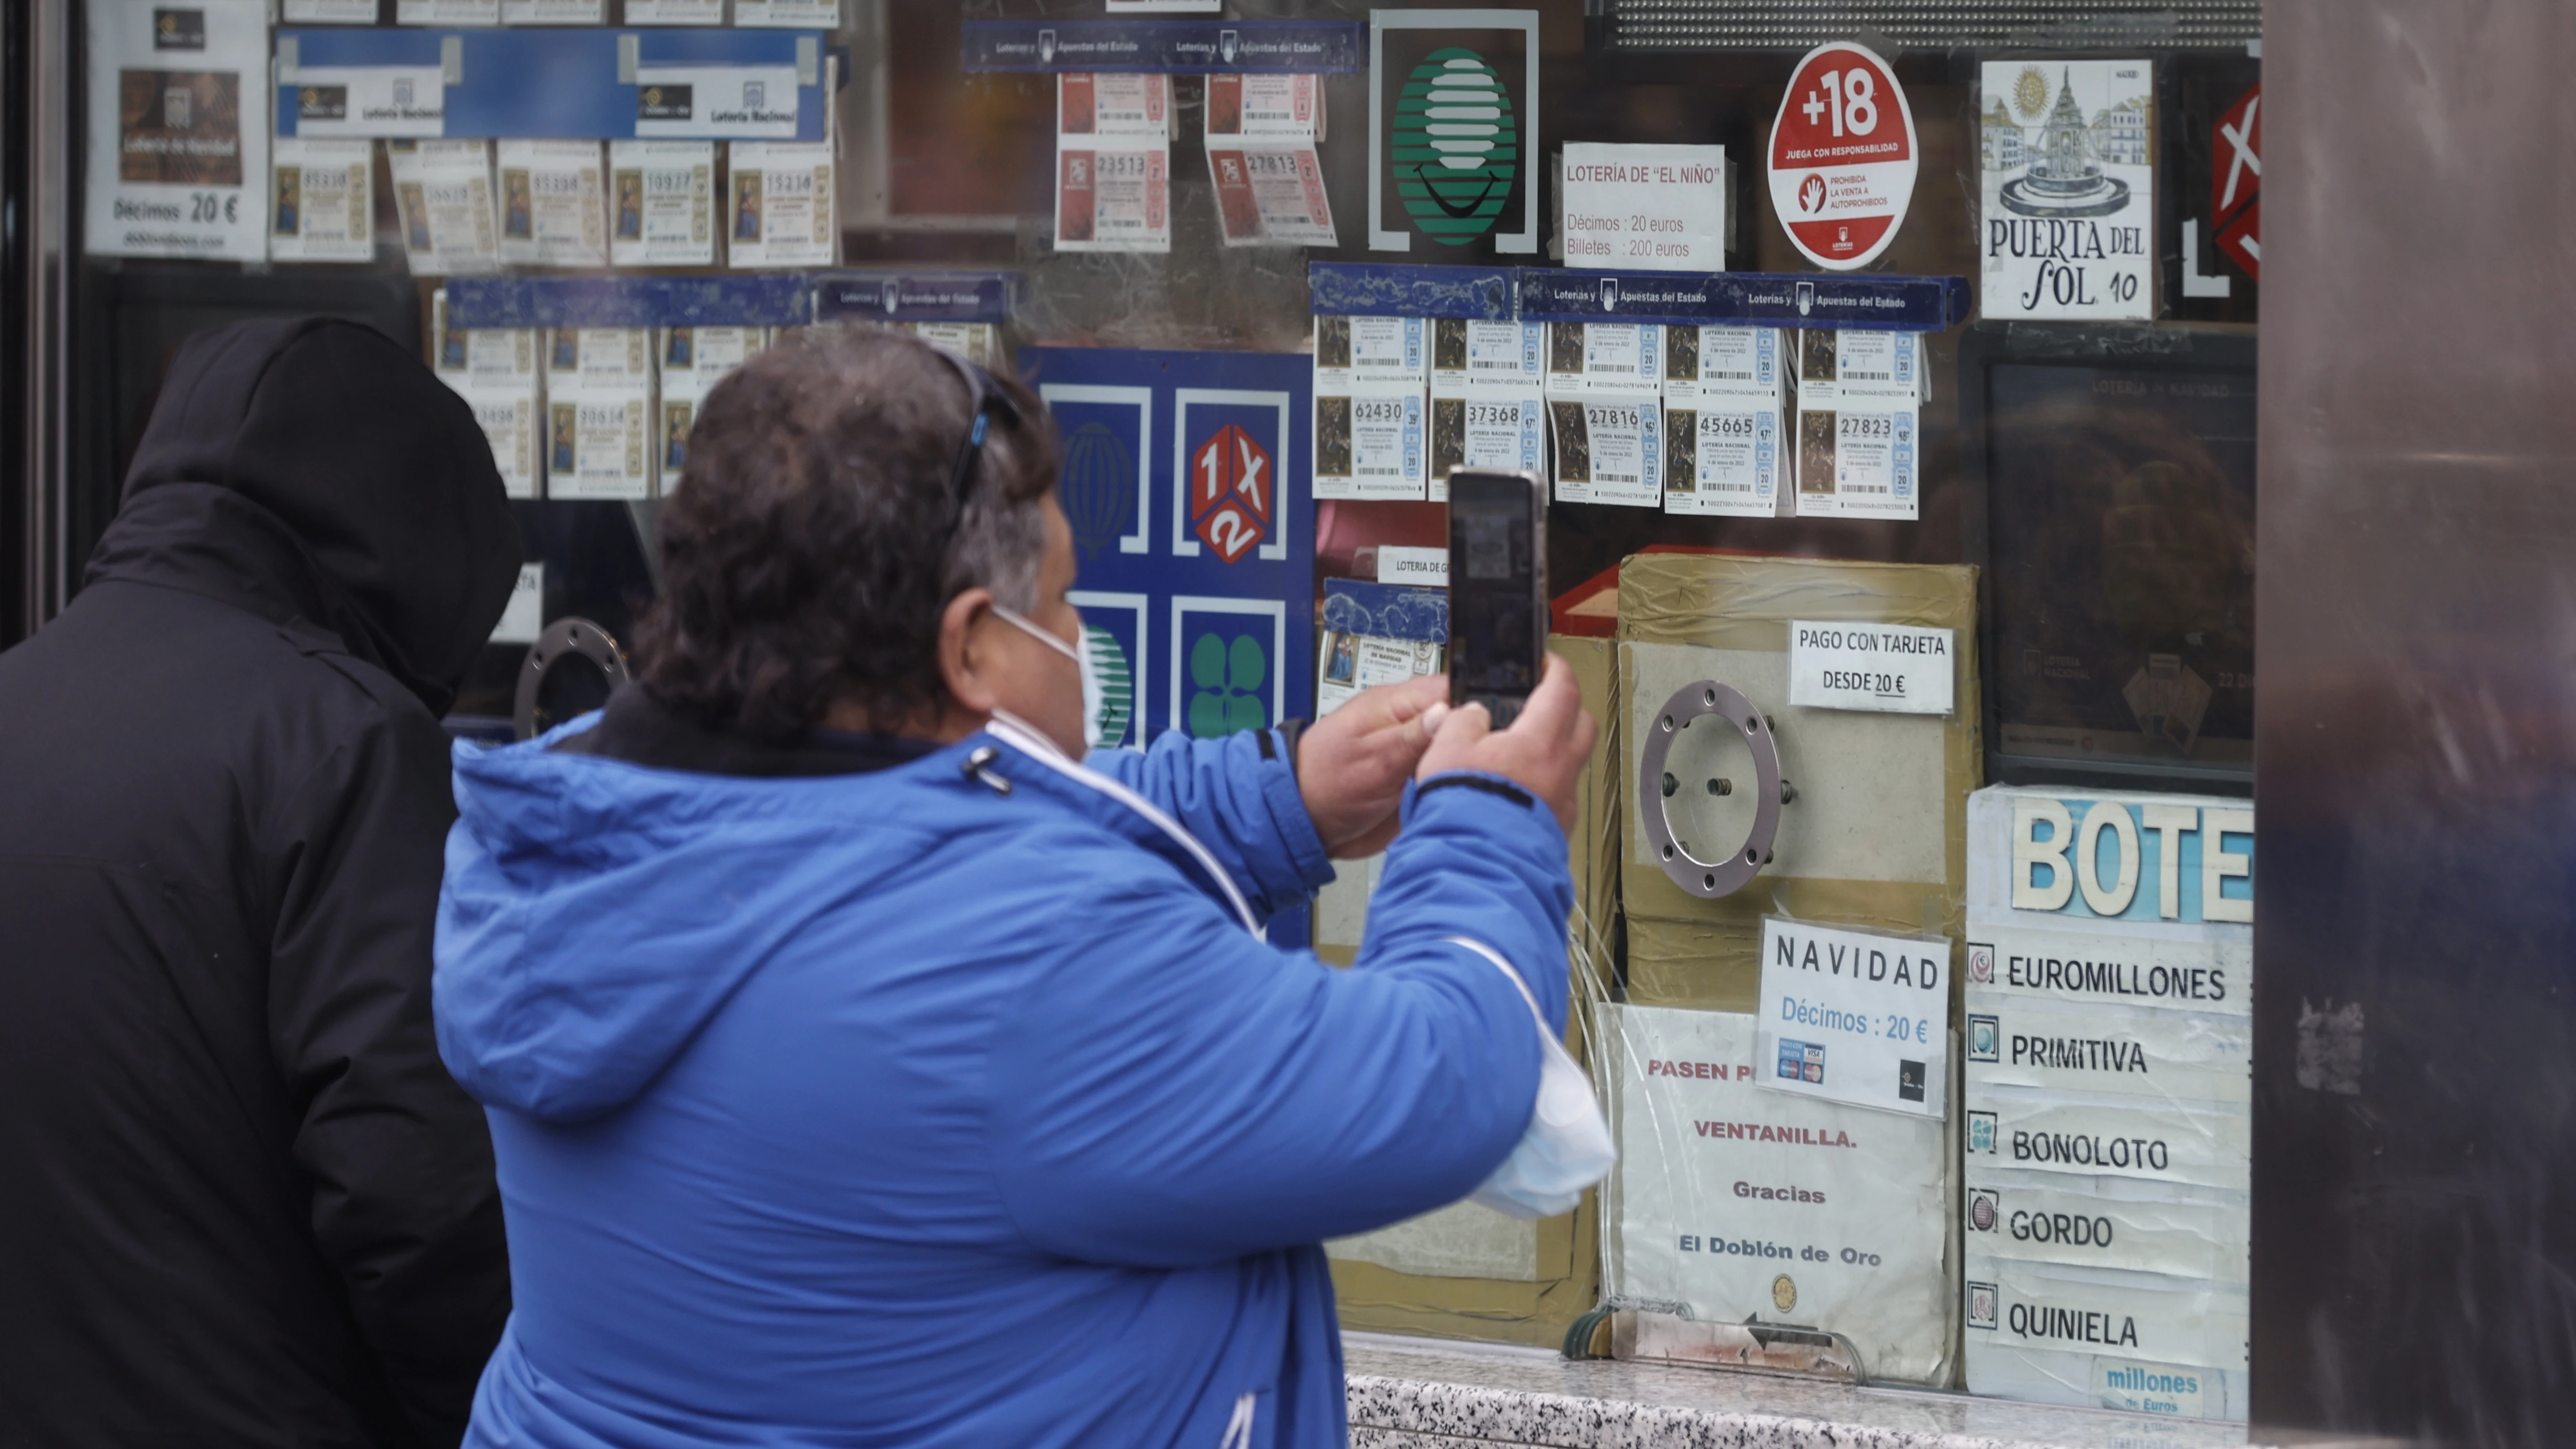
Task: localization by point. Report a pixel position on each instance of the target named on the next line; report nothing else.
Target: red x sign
(2236, 181)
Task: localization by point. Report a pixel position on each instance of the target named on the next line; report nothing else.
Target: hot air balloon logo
(1456, 146)
(1098, 486)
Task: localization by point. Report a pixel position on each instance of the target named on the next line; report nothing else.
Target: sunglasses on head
(985, 401)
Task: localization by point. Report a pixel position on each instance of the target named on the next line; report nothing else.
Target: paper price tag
(1645, 208)
(1423, 567)
(1856, 1017)
(1880, 668)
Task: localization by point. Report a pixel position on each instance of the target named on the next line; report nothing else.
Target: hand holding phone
(1543, 752)
(1497, 589)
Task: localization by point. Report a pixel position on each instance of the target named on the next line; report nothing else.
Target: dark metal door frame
(38, 240)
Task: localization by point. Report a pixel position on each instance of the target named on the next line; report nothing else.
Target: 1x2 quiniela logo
(1456, 146)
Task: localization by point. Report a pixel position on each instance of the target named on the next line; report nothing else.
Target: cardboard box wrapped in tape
(1875, 835)
(1465, 1271)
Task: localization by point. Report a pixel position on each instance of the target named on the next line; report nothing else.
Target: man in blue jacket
(862, 1069)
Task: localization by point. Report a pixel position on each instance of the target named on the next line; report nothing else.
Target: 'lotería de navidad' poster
(178, 128)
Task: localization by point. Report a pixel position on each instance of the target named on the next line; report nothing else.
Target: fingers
(1554, 706)
(1460, 732)
(1587, 733)
(1414, 697)
(1433, 718)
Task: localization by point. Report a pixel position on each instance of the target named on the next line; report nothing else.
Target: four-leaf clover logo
(1225, 685)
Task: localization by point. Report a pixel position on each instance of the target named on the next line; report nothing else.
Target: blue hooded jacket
(930, 1105)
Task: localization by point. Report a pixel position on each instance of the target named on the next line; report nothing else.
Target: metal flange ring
(563, 639)
(1708, 699)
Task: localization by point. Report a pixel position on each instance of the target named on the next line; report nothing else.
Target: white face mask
(1091, 702)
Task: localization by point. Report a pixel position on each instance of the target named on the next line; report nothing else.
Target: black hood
(312, 466)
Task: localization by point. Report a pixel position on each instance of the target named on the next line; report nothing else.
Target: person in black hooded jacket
(241, 1201)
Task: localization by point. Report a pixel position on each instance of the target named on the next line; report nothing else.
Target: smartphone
(1497, 589)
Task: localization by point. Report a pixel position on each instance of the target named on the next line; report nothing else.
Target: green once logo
(1115, 709)
(1457, 146)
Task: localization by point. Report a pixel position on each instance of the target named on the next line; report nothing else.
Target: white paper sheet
(443, 190)
(781, 211)
(1747, 1204)
(661, 203)
(178, 130)
(321, 201)
(554, 203)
